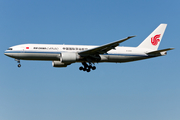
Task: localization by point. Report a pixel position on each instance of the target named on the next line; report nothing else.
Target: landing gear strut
(87, 67)
(18, 61)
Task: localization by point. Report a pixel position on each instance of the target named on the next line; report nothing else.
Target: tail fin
(154, 39)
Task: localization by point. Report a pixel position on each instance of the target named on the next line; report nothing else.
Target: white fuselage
(51, 52)
(64, 55)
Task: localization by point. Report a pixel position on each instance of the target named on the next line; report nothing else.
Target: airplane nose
(10, 54)
(7, 54)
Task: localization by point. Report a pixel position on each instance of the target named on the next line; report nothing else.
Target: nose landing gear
(19, 65)
(87, 67)
(18, 61)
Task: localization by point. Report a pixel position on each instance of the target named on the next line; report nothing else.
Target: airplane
(64, 55)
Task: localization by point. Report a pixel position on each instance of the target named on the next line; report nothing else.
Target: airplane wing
(103, 49)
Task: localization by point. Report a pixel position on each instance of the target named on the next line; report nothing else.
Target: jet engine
(68, 57)
(59, 64)
(65, 59)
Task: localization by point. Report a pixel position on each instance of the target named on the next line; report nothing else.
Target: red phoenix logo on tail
(155, 40)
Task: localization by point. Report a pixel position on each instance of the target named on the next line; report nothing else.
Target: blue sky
(147, 89)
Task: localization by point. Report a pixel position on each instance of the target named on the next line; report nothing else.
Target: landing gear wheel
(87, 67)
(88, 70)
(94, 67)
(19, 65)
(81, 68)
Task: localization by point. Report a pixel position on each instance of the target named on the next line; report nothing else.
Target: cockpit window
(10, 49)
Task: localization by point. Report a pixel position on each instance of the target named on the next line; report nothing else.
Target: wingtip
(132, 36)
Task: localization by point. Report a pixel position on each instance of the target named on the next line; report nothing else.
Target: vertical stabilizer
(154, 39)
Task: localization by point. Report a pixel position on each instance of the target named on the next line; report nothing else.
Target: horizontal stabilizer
(159, 51)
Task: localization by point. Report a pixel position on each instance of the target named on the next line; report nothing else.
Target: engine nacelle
(164, 53)
(68, 57)
(59, 64)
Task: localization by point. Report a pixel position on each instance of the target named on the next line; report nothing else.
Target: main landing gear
(87, 67)
(18, 61)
